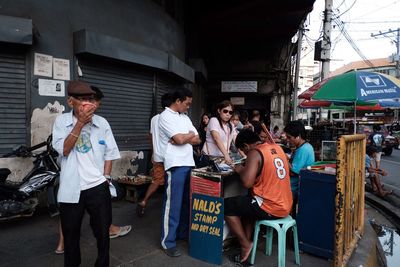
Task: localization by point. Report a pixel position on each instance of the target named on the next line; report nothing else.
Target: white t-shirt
(172, 123)
(225, 135)
(87, 169)
(155, 137)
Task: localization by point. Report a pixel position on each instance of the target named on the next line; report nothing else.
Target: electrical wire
(349, 39)
(340, 4)
(344, 12)
(377, 9)
(371, 22)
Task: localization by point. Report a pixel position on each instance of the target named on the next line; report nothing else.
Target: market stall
(208, 187)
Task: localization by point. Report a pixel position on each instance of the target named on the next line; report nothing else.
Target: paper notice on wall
(61, 69)
(43, 65)
(51, 87)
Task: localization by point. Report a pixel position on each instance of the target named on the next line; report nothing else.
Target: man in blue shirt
(85, 144)
(302, 157)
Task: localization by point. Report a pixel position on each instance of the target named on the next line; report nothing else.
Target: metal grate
(127, 103)
(13, 113)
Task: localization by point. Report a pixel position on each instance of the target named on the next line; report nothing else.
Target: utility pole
(396, 58)
(297, 71)
(326, 44)
(326, 40)
(397, 42)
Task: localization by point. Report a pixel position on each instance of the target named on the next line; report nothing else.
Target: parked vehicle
(394, 130)
(21, 199)
(366, 127)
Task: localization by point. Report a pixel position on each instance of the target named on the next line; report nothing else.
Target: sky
(361, 18)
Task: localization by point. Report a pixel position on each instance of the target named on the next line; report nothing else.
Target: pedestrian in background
(202, 130)
(376, 139)
(256, 121)
(374, 173)
(157, 158)
(177, 135)
(84, 142)
(220, 132)
(276, 134)
(235, 120)
(115, 231)
(244, 119)
(302, 157)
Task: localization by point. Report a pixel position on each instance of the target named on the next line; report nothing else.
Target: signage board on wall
(206, 228)
(239, 86)
(237, 101)
(51, 87)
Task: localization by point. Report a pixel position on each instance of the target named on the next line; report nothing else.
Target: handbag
(202, 161)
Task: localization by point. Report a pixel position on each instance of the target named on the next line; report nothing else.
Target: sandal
(385, 193)
(235, 258)
(58, 252)
(140, 210)
(123, 230)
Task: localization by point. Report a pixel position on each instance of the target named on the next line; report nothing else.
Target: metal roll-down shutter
(13, 107)
(164, 85)
(127, 103)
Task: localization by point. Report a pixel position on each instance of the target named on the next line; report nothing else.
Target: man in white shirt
(158, 157)
(85, 144)
(177, 135)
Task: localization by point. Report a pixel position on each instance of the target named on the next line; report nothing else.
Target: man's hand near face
(84, 112)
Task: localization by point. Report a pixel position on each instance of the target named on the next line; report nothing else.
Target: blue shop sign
(206, 228)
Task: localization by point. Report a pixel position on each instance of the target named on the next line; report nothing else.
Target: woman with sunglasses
(220, 132)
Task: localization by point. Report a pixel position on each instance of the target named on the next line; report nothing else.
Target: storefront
(131, 60)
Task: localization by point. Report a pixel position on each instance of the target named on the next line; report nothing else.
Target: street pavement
(31, 241)
(392, 165)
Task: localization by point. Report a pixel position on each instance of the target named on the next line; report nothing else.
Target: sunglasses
(85, 98)
(227, 111)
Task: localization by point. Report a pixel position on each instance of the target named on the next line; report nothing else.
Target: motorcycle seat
(11, 185)
(4, 172)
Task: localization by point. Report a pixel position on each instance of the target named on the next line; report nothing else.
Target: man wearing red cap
(84, 142)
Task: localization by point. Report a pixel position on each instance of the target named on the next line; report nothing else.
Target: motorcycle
(20, 199)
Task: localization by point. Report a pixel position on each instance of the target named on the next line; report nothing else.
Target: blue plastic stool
(281, 226)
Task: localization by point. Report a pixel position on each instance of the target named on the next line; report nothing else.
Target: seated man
(266, 174)
(374, 173)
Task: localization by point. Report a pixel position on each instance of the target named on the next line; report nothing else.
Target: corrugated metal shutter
(164, 85)
(13, 111)
(127, 103)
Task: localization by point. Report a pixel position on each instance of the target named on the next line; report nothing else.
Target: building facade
(135, 51)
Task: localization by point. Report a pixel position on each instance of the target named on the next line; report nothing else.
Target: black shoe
(172, 252)
(140, 210)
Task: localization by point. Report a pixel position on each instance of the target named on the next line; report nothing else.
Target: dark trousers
(295, 195)
(97, 202)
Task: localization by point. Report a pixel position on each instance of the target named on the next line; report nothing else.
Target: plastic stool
(281, 226)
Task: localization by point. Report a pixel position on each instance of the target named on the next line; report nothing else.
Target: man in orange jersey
(266, 174)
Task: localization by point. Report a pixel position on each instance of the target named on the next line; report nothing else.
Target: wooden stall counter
(208, 189)
(131, 183)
